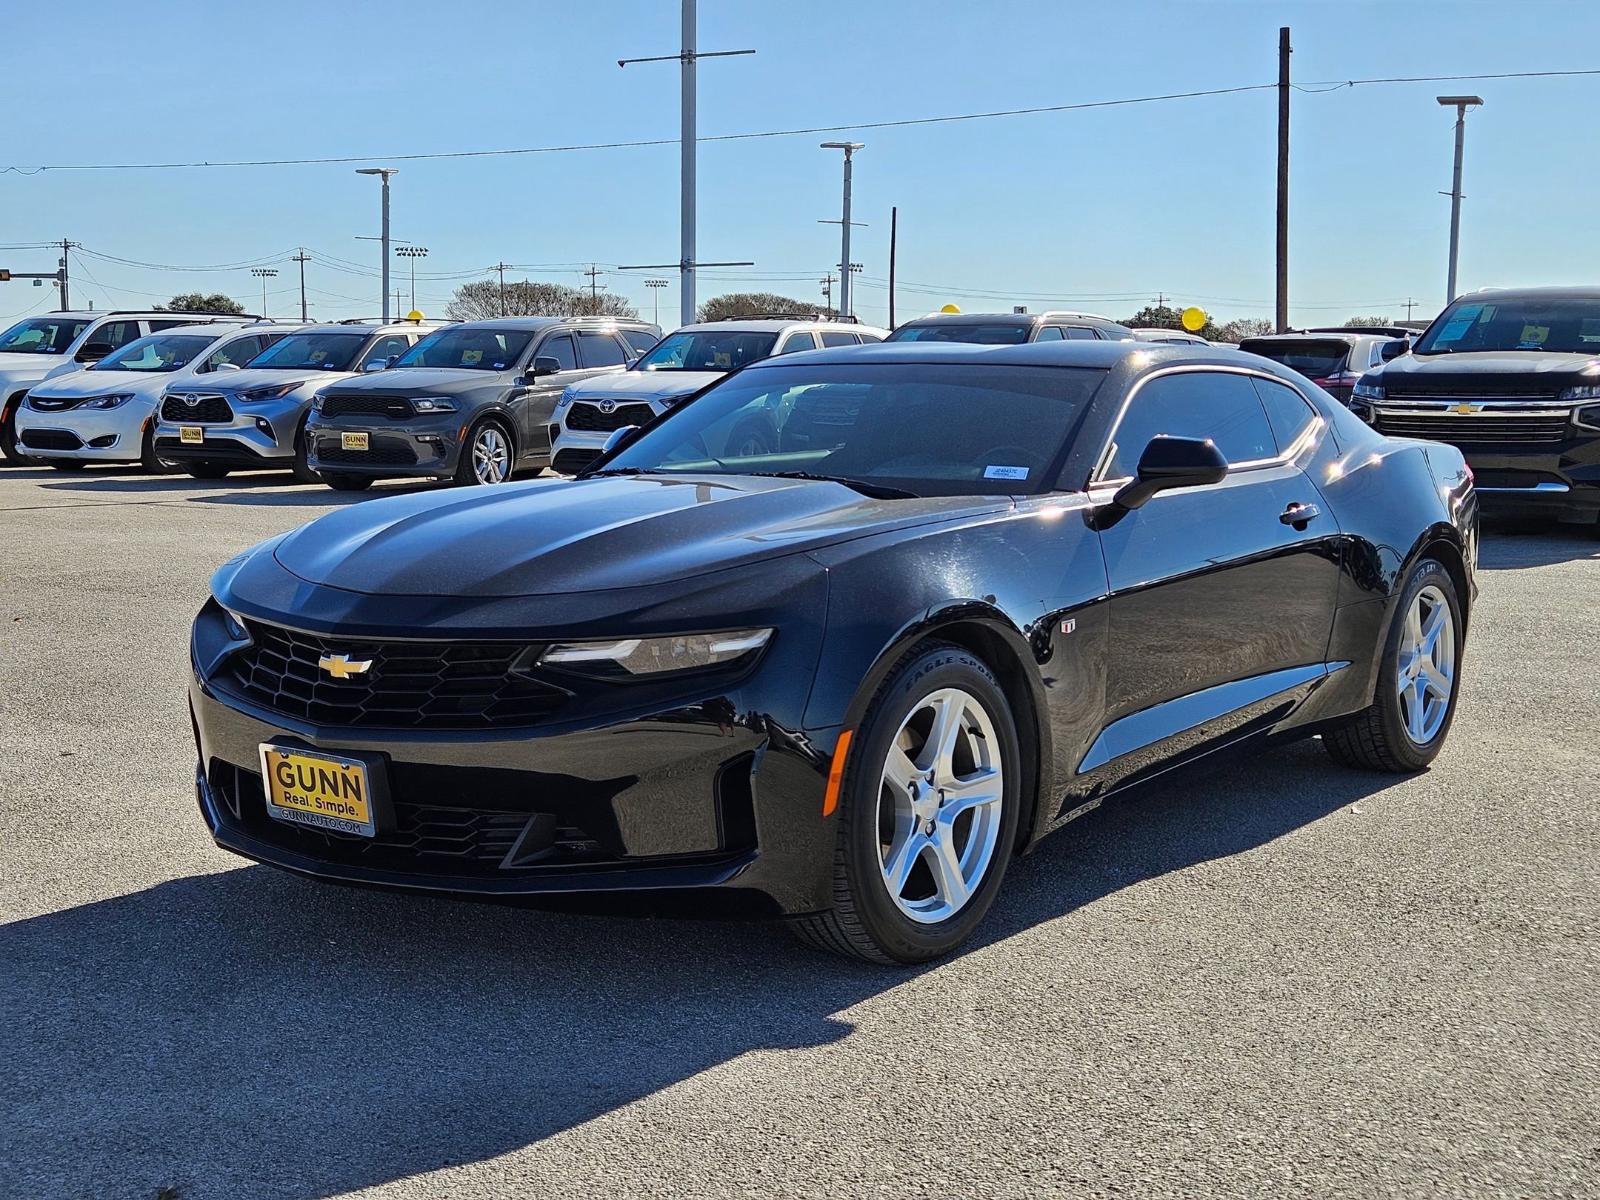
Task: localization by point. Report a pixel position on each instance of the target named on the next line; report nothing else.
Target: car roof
(538, 323)
(1554, 292)
(1006, 318)
(1094, 354)
(357, 327)
(776, 325)
(1318, 335)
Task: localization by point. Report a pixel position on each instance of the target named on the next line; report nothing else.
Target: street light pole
(264, 274)
(849, 149)
(655, 286)
(412, 253)
(1460, 104)
(383, 173)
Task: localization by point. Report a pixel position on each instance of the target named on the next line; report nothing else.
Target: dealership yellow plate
(323, 791)
(353, 441)
(191, 434)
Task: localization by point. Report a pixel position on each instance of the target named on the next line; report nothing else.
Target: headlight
(432, 404)
(316, 402)
(114, 400)
(1587, 391)
(276, 392)
(566, 399)
(631, 657)
(235, 625)
(1366, 391)
(1588, 416)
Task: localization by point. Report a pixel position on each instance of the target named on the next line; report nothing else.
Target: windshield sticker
(1533, 336)
(1456, 327)
(471, 358)
(722, 360)
(318, 355)
(1005, 472)
(498, 365)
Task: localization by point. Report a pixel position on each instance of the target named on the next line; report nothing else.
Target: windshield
(477, 349)
(42, 335)
(158, 352)
(998, 333)
(1314, 359)
(1565, 326)
(311, 352)
(924, 429)
(708, 350)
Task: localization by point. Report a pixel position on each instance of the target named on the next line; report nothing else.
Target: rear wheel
(207, 471)
(1418, 679)
(346, 483)
(487, 455)
(928, 812)
(152, 462)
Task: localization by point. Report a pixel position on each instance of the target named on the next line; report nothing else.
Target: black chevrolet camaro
(962, 595)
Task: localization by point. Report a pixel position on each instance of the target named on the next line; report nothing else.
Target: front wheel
(486, 455)
(151, 462)
(1418, 679)
(928, 812)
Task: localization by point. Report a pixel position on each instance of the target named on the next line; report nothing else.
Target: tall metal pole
(386, 248)
(686, 303)
(302, 258)
(845, 308)
(1460, 104)
(1284, 50)
(894, 232)
(66, 245)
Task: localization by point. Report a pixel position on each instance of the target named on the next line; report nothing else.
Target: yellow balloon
(949, 308)
(413, 315)
(1194, 319)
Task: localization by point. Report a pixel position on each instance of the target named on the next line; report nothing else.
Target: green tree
(1244, 327)
(757, 304)
(201, 302)
(482, 299)
(1164, 316)
(1369, 321)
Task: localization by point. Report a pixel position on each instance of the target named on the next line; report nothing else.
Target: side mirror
(227, 366)
(620, 437)
(544, 365)
(1167, 463)
(93, 351)
(1393, 350)
(376, 364)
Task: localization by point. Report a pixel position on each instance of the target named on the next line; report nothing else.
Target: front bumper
(423, 446)
(256, 435)
(102, 435)
(1563, 482)
(573, 450)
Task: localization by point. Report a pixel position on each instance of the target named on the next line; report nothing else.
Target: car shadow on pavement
(1508, 546)
(253, 1034)
(266, 489)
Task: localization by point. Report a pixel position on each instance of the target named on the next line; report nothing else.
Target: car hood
(559, 536)
(1438, 372)
(643, 385)
(30, 366)
(240, 381)
(416, 379)
(74, 384)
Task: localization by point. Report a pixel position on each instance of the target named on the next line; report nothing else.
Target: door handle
(1299, 515)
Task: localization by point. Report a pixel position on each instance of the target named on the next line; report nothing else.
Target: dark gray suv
(470, 402)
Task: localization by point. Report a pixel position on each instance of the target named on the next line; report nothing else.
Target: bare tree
(1354, 321)
(482, 299)
(1244, 327)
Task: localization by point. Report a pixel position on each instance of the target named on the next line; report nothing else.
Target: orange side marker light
(830, 798)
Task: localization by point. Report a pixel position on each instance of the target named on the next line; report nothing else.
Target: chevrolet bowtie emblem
(1464, 408)
(340, 666)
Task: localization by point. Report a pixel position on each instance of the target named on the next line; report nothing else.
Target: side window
(560, 348)
(1079, 333)
(799, 340)
(383, 348)
(837, 337)
(1196, 404)
(601, 350)
(640, 339)
(1287, 410)
(237, 352)
(1050, 333)
(156, 326)
(870, 339)
(120, 333)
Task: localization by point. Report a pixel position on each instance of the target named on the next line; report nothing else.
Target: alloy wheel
(1426, 666)
(491, 455)
(939, 805)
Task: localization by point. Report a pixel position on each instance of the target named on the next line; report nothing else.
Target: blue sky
(1055, 210)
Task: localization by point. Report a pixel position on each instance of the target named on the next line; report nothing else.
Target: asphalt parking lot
(1283, 978)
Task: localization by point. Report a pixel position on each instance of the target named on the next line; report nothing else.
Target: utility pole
(66, 246)
(827, 290)
(1460, 104)
(687, 59)
(501, 267)
(384, 173)
(1284, 50)
(1410, 304)
(264, 274)
(302, 258)
(594, 288)
(849, 148)
(894, 231)
(655, 286)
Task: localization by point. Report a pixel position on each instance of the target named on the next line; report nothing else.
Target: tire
(208, 471)
(302, 467)
(1404, 728)
(9, 450)
(473, 467)
(881, 825)
(346, 483)
(150, 461)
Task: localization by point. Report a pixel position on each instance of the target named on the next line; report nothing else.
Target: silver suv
(682, 363)
(254, 419)
(472, 402)
(36, 348)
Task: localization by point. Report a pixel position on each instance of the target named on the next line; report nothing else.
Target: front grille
(425, 838)
(54, 404)
(1521, 387)
(205, 406)
(410, 685)
(50, 439)
(1524, 429)
(385, 452)
(396, 408)
(570, 462)
(588, 418)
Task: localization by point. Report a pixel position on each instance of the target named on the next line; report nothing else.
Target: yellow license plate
(323, 791)
(192, 434)
(353, 441)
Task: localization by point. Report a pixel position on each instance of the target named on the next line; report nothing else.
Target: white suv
(106, 412)
(37, 347)
(683, 362)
